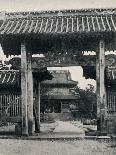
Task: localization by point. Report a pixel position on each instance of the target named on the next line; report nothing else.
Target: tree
(87, 103)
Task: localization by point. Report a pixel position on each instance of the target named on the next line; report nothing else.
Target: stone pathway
(67, 127)
(60, 130)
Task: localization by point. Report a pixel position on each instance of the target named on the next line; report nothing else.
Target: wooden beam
(30, 93)
(101, 92)
(24, 89)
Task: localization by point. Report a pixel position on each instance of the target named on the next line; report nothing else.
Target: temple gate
(62, 36)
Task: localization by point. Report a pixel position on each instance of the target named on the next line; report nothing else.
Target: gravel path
(58, 147)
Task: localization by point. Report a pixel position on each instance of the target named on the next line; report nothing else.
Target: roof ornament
(20, 15)
(105, 12)
(60, 13)
(2, 15)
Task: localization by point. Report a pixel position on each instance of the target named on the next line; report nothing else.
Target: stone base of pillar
(30, 127)
(107, 127)
(111, 126)
(101, 127)
(18, 129)
(37, 127)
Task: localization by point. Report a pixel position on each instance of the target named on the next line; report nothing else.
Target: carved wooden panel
(57, 60)
(38, 62)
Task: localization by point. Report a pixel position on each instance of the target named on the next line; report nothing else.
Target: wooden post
(39, 97)
(101, 92)
(38, 110)
(24, 89)
(29, 93)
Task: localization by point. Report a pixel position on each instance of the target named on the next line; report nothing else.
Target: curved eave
(69, 85)
(59, 97)
(60, 35)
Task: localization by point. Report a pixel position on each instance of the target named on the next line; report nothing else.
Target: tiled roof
(70, 21)
(60, 77)
(12, 77)
(9, 77)
(57, 93)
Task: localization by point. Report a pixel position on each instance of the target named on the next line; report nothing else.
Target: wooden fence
(10, 105)
(111, 103)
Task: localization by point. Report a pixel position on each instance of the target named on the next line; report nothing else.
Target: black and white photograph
(57, 77)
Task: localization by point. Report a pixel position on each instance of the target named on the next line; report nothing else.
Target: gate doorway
(62, 38)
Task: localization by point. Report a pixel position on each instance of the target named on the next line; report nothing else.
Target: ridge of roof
(51, 13)
(59, 79)
(58, 71)
(64, 10)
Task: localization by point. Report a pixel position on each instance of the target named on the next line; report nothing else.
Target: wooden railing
(111, 104)
(10, 105)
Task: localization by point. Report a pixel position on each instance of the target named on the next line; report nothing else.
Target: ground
(78, 147)
(61, 146)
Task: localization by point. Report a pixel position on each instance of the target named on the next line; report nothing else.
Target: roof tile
(60, 24)
(9, 77)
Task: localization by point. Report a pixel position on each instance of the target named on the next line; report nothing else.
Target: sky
(38, 5)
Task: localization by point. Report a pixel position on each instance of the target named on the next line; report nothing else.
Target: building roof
(68, 21)
(60, 77)
(9, 77)
(59, 86)
(50, 28)
(59, 93)
(12, 77)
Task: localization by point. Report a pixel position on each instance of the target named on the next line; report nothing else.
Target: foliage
(87, 105)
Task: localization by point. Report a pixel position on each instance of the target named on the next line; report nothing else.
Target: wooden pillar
(101, 92)
(38, 108)
(29, 93)
(24, 89)
(39, 101)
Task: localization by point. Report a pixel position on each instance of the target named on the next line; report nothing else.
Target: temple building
(56, 95)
